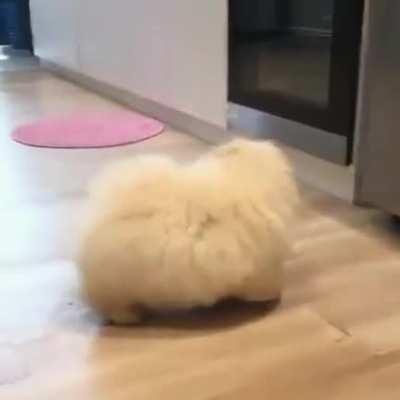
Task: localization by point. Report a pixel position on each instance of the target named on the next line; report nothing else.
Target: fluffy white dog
(165, 236)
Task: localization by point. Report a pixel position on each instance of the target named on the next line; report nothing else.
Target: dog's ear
(232, 148)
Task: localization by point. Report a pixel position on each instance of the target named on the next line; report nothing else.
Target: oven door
(293, 71)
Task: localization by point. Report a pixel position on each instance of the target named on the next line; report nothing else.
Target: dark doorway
(15, 25)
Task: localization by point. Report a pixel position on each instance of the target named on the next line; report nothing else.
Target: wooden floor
(335, 334)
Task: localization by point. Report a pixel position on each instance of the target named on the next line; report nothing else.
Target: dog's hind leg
(265, 285)
(129, 316)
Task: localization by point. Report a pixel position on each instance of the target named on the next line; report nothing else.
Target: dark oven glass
(297, 59)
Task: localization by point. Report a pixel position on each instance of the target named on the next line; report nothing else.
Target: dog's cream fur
(166, 236)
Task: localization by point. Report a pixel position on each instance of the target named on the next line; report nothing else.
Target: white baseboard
(179, 120)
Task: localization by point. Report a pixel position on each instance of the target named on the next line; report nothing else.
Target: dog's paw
(130, 317)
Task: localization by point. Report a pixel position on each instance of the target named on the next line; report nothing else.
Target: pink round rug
(88, 130)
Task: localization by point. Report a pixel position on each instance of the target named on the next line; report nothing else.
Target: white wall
(55, 29)
(173, 52)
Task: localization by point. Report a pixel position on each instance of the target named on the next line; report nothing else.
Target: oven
(293, 72)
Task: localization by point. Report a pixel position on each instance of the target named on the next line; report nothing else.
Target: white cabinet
(56, 31)
(172, 52)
